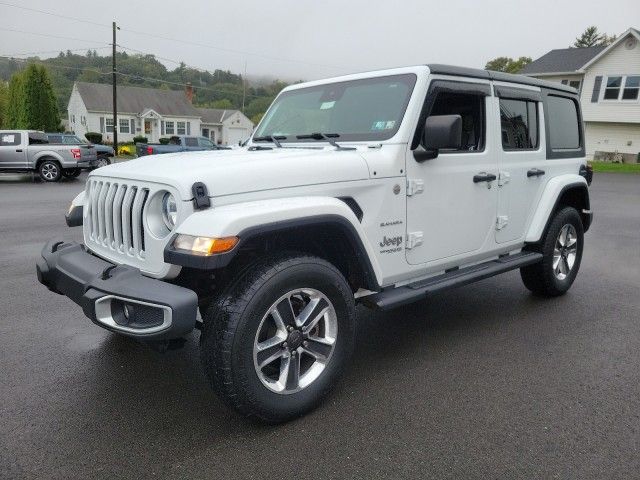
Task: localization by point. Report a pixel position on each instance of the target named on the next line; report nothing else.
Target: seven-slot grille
(114, 216)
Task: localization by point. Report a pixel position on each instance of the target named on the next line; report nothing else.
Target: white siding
(618, 61)
(236, 127)
(612, 137)
(79, 118)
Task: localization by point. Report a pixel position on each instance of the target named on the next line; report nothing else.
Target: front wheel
(277, 341)
(103, 162)
(561, 249)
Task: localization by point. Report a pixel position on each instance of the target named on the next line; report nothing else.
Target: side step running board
(395, 297)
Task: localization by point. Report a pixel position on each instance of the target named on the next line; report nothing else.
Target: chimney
(188, 91)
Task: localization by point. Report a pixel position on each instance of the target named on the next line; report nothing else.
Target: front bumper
(117, 297)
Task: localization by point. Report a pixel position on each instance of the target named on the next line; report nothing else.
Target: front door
(454, 214)
(12, 153)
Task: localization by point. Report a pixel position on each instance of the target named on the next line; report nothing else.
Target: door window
(470, 107)
(519, 124)
(191, 141)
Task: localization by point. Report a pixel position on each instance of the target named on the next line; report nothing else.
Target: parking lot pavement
(482, 382)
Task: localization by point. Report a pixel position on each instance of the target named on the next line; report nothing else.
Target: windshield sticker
(383, 125)
(327, 105)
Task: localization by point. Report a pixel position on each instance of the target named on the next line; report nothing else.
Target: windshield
(357, 110)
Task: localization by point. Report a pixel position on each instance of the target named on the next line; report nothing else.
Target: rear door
(452, 199)
(521, 161)
(13, 154)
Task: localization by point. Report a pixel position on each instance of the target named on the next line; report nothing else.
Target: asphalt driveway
(482, 382)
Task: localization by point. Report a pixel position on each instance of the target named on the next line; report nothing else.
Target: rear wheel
(50, 171)
(277, 341)
(561, 248)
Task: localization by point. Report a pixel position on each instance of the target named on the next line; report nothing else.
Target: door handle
(484, 177)
(19, 150)
(535, 172)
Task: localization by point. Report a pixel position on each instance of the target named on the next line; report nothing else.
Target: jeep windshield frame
(362, 110)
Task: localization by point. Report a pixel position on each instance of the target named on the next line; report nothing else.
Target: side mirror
(440, 131)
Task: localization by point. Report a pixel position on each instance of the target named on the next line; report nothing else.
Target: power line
(51, 36)
(53, 51)
(55, 14)
(229, 50)
(60, 67)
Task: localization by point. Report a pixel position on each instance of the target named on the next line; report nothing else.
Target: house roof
(633, 32)
(99, 97)
(214, 115)
(562, 60)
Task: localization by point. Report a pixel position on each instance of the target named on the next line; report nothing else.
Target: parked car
(30, 150)
(105, 153)
(380, 188)
(178, 143)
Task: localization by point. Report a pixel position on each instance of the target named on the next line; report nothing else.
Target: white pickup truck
(379, 188)
(30, 150)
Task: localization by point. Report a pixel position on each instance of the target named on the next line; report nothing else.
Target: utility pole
(244, 85)
(115, 93)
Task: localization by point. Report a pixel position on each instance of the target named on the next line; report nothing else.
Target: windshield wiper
(271, 138)
(327, 137)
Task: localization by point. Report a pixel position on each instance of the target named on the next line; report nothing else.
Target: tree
(4, 97)
(507, 64)
(225, 103)
(592, 38)
(15, 100)
(40, 108)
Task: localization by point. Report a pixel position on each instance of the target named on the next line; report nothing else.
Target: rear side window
(519, 124)
(191, 142)
(10, 139)
(564, 130)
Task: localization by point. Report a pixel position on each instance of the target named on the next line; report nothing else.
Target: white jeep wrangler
(378, 188)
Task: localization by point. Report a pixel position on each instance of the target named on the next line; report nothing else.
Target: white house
(150, 112)
(608, 79)
(225, 126)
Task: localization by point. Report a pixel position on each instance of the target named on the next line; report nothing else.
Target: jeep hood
(229, 172)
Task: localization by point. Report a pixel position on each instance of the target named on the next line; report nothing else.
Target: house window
(108, 123)
(168, 128)
(622, 87)
(73, 119)
(612, 90)
(631, 88)
(124, 125)
(519, 123)
(181, 128)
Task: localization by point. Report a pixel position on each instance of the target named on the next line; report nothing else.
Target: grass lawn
(616, 167)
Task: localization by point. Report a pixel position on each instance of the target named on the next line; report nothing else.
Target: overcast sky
(300, 39)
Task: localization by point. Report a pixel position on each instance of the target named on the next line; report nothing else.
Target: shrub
(165, 141)
(93, 137)
(127, 149)
(140, 139)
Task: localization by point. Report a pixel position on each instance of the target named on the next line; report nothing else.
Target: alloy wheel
(565, 251)
(295, 340)
(49, 171)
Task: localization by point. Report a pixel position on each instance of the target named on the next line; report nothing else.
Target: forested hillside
(218, 89)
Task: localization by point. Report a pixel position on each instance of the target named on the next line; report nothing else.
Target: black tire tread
(536, 277)
(221, 321)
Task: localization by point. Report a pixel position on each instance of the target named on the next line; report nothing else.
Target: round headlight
(169, 210)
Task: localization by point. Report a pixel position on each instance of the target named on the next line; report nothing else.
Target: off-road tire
(49, 170)
(232, 320)
(540, 278)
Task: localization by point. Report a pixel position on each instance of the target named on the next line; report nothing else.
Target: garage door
(236, 134)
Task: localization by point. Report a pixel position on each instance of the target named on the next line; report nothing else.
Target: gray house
(608, 79)
(151, 112)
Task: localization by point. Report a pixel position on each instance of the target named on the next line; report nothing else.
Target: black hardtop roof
(499, 76)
